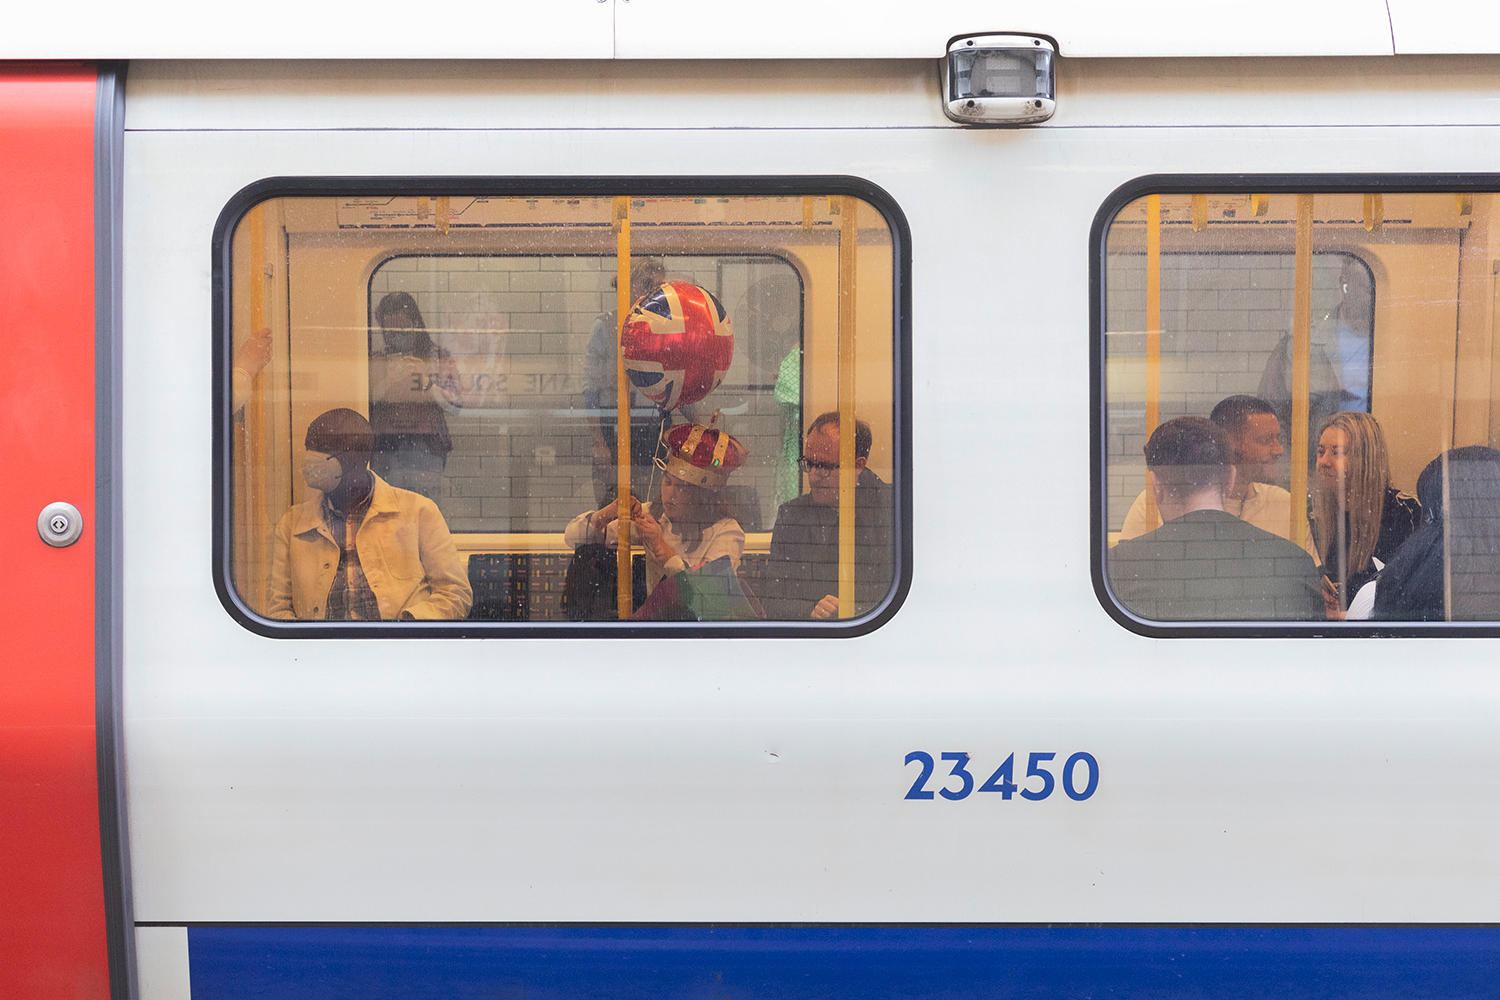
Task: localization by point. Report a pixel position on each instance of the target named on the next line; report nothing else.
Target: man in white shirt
(1255, 439)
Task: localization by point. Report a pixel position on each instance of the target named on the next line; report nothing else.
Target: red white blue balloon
(677, 344)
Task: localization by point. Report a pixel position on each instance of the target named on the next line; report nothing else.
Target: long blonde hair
(1367, 477)
(708, 508)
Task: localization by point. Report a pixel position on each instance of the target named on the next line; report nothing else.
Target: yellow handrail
(624, 592)
(255, 409)
(1301, 365)
(1153, 329)
(848, 248)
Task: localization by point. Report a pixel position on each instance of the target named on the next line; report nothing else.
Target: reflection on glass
(412, 382)
(532, 422)
(1353, 327)
(601, 393)
(1315, 334)
(478, 336)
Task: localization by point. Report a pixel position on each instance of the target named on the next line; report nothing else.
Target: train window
(423, 423)
(1295, 409)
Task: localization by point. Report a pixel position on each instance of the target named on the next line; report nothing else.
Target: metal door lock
(59, 524)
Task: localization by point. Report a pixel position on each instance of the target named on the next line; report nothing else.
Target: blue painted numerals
(1080, 776)
(917, 787)
(1069, 770)
(1032, 771)
(958, 771)
(1003, 780)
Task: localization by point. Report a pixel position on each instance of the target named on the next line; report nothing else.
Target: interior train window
(1294, 410)
(502, 411)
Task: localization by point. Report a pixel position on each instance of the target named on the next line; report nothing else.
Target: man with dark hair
(1203, 563)
(361, 549)
(1255, 443)
(802, 574)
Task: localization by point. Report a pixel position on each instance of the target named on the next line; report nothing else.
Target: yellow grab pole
(622, 407)
(1301, 364)
(1153, 328)
(1447, 543)
(848, 248)
(1200, 212)
(259, 522)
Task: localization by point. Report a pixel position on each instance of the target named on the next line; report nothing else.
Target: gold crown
(702, 456)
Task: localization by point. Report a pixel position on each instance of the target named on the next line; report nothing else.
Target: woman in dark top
(1357, 517)
(1460, 494)
(410, 381)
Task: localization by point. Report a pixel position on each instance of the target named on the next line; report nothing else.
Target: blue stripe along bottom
(840, 963)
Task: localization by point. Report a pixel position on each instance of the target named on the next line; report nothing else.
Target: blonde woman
(1358, 519)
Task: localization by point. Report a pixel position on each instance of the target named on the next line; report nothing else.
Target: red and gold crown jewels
(702, 456)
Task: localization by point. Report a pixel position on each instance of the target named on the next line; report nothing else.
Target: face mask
(322, 471)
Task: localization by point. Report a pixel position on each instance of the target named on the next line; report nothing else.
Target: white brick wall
(526, 463)
(1222, 315)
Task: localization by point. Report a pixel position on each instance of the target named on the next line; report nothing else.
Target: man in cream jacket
(361, 549)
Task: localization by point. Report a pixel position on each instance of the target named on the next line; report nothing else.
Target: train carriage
(332, 669)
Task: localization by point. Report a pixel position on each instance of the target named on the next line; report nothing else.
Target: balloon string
(657, 462)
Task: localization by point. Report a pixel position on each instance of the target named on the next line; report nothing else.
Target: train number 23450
(1077, 786)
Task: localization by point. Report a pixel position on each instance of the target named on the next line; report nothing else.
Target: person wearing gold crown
(694, 525)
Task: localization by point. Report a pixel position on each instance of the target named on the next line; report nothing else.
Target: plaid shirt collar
(350, 597)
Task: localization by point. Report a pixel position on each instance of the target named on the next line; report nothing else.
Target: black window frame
(1179, 184)
(558, 187)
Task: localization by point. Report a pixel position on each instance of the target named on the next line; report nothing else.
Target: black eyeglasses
(810, 466)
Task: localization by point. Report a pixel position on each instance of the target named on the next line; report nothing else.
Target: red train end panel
(52, 923)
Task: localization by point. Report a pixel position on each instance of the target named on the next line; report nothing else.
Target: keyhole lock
(59, 524)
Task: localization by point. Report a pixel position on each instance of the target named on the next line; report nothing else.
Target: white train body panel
(685, 780)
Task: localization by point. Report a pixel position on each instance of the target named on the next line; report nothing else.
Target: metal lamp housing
(999, 80)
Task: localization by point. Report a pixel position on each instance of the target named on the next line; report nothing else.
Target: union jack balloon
(677, 344)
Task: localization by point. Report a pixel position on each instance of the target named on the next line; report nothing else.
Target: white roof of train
(767, 29)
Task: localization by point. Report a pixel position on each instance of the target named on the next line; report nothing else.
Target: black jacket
(804, 564)
(1399, 517)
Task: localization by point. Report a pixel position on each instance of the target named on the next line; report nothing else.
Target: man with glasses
(802, 573)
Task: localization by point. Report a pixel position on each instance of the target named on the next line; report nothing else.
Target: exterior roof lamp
(999, 80)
